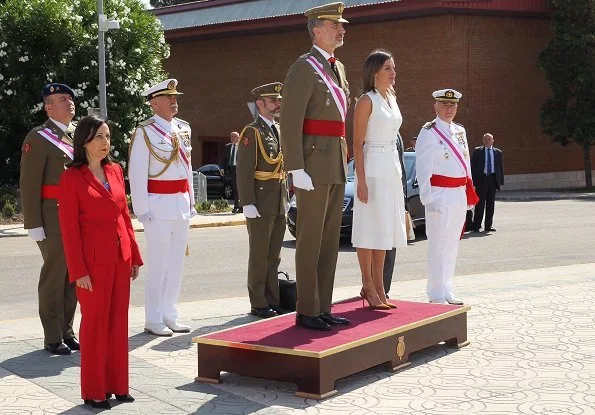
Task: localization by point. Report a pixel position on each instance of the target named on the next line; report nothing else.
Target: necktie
(489, 162)
(275, 131)
(332, 61)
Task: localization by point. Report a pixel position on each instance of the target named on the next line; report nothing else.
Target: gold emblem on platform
(401, 347)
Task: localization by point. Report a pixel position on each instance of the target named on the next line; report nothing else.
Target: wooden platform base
(315, 371)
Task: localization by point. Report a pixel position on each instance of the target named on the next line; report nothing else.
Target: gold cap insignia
(51, 89)
(449, 94)
(278, 88)
(171, 85)
(340, 8)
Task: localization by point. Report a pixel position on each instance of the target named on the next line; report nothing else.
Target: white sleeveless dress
(380, 223)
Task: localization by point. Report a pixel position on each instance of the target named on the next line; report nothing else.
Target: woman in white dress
(379, 210)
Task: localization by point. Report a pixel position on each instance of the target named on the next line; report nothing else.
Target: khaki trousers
(57, 296)
(317, 246)
(265, 236)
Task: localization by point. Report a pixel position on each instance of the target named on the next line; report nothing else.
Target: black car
(218, 184)
(416, 209)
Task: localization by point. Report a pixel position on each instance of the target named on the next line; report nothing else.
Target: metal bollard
(199, 181)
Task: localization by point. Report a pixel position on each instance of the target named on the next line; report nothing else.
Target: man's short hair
(312, 23)
(488, 135)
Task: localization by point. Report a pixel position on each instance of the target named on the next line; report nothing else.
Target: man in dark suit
(488, 175)
(229, 164)
(389, 258)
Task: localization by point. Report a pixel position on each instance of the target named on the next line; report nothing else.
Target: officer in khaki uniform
(46, 149)
(263, 195)
(315, 102)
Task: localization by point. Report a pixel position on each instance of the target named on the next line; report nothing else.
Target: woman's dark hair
(84, 133)
(373, 64)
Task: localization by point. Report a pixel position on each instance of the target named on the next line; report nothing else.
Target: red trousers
(104, 331)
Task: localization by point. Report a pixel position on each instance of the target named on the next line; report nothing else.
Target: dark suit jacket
(478, 162)
(227, 157)
(95, 224)
(401, 150)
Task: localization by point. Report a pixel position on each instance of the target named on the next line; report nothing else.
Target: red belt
(445, 181)
(324, 128)
(49, 191)
(167, 186)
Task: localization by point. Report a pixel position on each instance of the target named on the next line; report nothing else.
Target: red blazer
(95, 225)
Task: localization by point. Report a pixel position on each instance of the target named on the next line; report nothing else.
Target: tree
(45, 41)
(569, 66)
(162, 3)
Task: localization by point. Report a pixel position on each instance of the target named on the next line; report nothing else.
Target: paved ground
(532, 351)
(532, 333)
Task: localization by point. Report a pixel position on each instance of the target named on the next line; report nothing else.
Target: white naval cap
(167, 87)
(447, 95)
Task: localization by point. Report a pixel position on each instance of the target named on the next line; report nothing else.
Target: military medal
(327, 102)
(446, 156)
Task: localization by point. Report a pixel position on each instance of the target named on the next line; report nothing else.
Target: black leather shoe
(98, 404)
(331, 319)
(120, 398)
(475, 230)
(58, 348)
(312, 323)
(265, 312)
(490, 230)
(73, 343)
(279, 310)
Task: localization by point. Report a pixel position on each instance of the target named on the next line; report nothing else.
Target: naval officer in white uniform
(160, 175)
(446, 191)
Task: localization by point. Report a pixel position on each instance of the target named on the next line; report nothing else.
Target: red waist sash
(49, 191)
(324, 128)
(445, 181)
(167, 186)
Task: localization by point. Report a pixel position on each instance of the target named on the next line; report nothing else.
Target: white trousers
(166, 247)
(443, 229)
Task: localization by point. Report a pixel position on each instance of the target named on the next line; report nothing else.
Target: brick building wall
(491, 60)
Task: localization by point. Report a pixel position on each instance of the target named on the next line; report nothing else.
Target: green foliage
(9, 194)
(161, 3)
(568, 63)
(215, 206)
(45, 41)
(9, 209)
(221, 204)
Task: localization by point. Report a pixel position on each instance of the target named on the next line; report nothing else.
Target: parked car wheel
(227, 192)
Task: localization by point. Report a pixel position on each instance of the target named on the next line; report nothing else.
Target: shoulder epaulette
(146, 122)
(429, 124)
(181, 121)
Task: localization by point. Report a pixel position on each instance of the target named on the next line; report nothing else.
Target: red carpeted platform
(277, 349)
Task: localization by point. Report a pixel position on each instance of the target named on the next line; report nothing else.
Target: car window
(351, 169)
(409, 166)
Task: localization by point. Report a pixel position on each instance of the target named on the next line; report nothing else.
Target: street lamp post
(104, 25)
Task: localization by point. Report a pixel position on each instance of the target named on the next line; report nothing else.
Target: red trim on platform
(281, 332)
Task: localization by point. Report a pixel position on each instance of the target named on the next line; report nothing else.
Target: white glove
(302, 180)
(37, 234)
(251, 212)
(193, 213)
(145, 217)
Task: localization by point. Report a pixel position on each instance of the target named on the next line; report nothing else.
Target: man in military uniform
(315, 102)
(47, 148)
(446, 191)
(160, 174)
(263, 195)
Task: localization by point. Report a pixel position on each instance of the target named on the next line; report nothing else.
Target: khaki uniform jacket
(42, 163)
(306, 96)
(269, 196)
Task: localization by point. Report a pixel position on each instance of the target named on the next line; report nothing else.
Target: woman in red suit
(102, 258)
